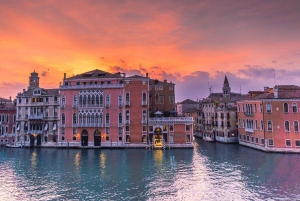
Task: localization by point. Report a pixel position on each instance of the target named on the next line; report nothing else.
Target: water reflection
(208, 172)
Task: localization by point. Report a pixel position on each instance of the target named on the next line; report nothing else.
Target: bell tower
(226, 88)
(33, 80)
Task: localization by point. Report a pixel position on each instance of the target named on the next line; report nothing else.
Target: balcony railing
(94, 125)
(144, 103)
(144, 121)
(120, 104)
(127, 103)
(249, 114)
(62, 125)
(120, 125)
(35, 116)
(249, 130)
(107, 124)
(35, 131)
(63, 106)
(107, 105)
(127, 122)
(74, 106)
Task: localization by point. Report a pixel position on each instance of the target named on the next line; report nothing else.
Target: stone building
(217, 119)
(7, 121)
(37, 114)
(161, 97)
(269, 120)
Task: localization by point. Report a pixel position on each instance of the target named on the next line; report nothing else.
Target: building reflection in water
(77, 161)
(33, 159)
(102, 164)
(158, 157)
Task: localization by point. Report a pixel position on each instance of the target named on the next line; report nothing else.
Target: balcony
(144, 103)
(35, 116)
(144, 121)
(35, 131)
(107, 105)
(120, 104)
(107, 125)
(92, 86)
(127, 103)
(74, 105)
(127, 122)
(249, 114)
(94, 125)
(120, 125)
(62, 125)
(62, 106)
(249, 130)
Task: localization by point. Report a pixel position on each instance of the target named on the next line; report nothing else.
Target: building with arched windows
(269, 120)
(7, 121)
(37, 114)
(101, 109)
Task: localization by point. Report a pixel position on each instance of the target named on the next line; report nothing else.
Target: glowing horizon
(191, 44)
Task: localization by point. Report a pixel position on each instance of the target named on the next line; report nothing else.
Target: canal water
(210, 171)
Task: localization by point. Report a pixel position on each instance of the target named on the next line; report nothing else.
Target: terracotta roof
(95, 74)
(188, 101)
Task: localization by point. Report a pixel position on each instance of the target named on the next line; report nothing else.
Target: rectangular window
(128, 138)
(269, 109)
(256, 140)
(127, 128)
(262, 141)
(288, 143)
(62, 131)
(120, 130)
(254, 107)
(252, 139)
(144, 138)
(261, 108)
(271, 142)
(297, 143)
(244, 137)
(248, 138)
(78, 83)
(107, 130)
(74, 130)
(171, 128)
(188, 138)
(187, 128)
(150, 128)
(171, 138)
(261, 125)
(144, 128)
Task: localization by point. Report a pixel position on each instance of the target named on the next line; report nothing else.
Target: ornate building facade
(37, 114)
(7, 121)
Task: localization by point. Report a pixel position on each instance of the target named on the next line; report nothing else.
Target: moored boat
(14, 145)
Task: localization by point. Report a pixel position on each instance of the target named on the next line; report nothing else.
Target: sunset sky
(191, 43)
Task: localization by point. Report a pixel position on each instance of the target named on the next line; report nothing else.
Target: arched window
(107, 100)
(107, 118)
(63, 100)
(295, 108)
(127, 115)
(270, 126)
(89, 100)
(120, 99)
(97, 100)
(127, 97)
(101, 118)
(93, 99)
(74, 118)
(269, 108)
(285, 108)
(75, 100)
(88, 119)
(296, 126)
(80, 100)
(92, 118)
(101, 100)
(120, 118)
(97, 119)
(144, 96)
(84, 100)
(7, 117)
(80, 118)
(84, 119)
(287, 126)
(144, 115)
(63, 118)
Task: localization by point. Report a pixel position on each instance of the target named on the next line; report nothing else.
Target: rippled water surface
(207, 172)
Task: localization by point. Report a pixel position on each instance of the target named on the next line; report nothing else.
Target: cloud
(44, 73)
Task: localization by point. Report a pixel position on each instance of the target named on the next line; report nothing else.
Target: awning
(46, 127)
(54, 127)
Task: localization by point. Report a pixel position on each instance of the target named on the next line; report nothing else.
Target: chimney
(146, 74)
(165, 81)
(275, 92)
(23, 90)
(10, 98)
(65, 76)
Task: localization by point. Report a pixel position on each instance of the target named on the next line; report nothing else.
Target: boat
(14, 145)
(208, 139)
